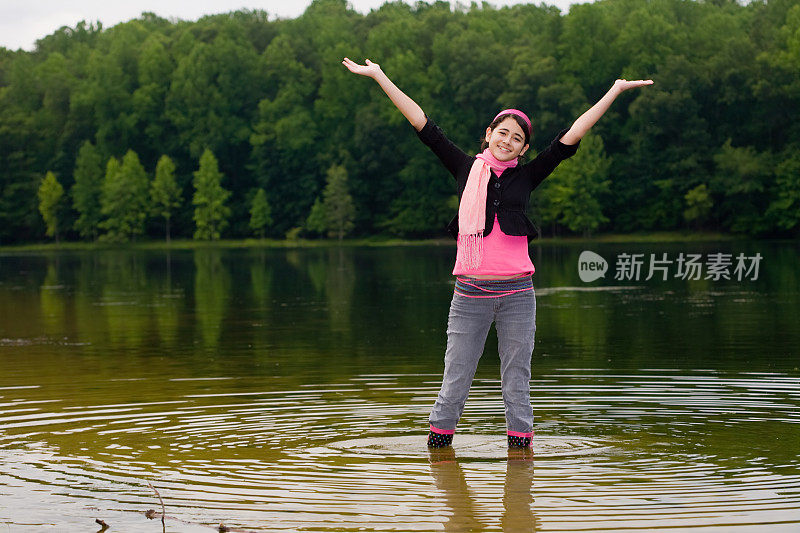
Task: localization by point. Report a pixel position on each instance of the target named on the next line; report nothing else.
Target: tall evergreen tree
(317, 221)
(124, 198)
(86, 190)
(210, 212)
(50, 194)
(165, 192)
(260, 213)
(110, 201)
(337, 203)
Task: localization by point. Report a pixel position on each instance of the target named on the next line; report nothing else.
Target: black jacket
(507, 196)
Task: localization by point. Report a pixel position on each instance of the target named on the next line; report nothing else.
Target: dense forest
(115, 132)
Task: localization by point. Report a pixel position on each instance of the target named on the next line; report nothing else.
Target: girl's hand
(624, 85)
(370, 69)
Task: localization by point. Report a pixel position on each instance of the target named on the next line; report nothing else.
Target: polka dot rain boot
(517, 441)
(439, 440)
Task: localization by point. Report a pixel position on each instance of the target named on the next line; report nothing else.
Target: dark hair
(500, 119)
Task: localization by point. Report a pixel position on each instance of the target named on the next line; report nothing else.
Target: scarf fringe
(469, 250)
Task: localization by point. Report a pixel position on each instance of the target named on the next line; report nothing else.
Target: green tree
(50, 194)
(317, 221)
(86, 190)
(105, 91)
(698, 204)
(577, 185)
(283, 127)
(741, 179)
(338, 204)
(154, 75)
(164, 191)
(260, 213)
(20, 144)
(785, 208)
(212, 94)
(110, 203)
(666, 126)
(124, 198)
(210, 212)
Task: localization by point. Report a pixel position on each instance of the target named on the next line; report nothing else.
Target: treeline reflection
(387, 305)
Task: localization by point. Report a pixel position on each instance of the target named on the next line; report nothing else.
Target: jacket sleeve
(451, 156)
(549, 158)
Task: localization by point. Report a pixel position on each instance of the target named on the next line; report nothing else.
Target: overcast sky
(22, 22)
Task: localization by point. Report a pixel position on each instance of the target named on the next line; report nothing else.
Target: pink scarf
(472, 209)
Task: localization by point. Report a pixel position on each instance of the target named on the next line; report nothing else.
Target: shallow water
(279, 390)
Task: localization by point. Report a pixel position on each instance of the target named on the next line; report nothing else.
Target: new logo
(591, 266)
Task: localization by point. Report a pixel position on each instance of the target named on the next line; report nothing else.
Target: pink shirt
(503, 255)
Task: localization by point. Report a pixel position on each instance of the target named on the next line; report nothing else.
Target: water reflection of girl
(492, 268)
(464, 515)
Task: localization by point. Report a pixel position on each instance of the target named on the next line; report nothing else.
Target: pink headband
(516, 112)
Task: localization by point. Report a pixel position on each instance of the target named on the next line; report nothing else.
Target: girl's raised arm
(406, 105)
(588, 119)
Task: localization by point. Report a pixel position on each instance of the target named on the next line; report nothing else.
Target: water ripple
(352, 455)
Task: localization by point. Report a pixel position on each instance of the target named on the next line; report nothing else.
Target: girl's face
(507, 140)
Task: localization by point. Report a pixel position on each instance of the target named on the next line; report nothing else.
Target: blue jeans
(468, 325)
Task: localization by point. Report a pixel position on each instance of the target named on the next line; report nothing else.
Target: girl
(492, 268)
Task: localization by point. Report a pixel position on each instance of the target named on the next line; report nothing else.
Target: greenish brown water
(288, 390)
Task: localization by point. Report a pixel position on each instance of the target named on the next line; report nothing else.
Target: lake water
(288, 390)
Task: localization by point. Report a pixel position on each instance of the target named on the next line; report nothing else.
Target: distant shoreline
(189, 244)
